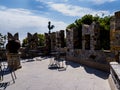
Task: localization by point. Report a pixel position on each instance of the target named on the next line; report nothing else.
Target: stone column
(47, 44)
(13, 45)
(13, 60)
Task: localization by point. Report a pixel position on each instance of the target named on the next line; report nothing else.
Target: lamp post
(50, 27)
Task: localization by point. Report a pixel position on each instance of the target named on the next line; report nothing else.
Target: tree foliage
(71, 26)
(105, 32)
(41, 40)
(87, 19)
(24, 42)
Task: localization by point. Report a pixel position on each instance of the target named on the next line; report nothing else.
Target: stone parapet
(103, 67)
(114, 78)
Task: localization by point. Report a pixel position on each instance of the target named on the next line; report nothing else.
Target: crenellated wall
(55, 40)
(115, 35)
(90, 49)
(89, 53)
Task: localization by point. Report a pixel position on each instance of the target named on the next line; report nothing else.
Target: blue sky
(33, 15)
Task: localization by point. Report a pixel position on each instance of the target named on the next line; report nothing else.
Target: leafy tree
(105, 32)
(24, 44)
(96, 18)
(87, 19)
(41, 39)
(71, 26)
(78, 23)
(105, 23)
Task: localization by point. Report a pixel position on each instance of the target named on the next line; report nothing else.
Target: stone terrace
(35, 75)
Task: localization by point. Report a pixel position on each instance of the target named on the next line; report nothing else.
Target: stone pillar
(86, 37)
(58, 45)
(13, 60)
(47, 43)
(53, 40)
(117, 20)
(12, 47)
(115, 35)
(69, 41)
(95, 36)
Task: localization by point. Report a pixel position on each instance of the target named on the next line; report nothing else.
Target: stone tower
(115, 32)
(115, 35)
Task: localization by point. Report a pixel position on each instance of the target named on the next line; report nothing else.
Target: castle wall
(115, 35)
(90, 50)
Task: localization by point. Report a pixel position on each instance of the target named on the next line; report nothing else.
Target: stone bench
(114, 78)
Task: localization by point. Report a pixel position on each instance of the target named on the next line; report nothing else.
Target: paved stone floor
(35, 75)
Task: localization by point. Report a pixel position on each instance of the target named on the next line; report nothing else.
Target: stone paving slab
(35, 75)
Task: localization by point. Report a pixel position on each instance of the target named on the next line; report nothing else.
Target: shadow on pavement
(3, 85)
(98, 73)
(73, 64)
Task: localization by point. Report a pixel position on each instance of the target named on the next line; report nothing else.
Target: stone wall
(55, 40)
(73, 38)
(115, 35)
(47, 43)
(90, 53)
(90, 42)
(91, 36)
(117, 20)
(94, 56)
(103, 67)
(69, 39)
(114, 78)
(60, 39)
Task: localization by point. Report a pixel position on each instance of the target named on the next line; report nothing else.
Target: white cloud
(101, 1)
(71, 10)
(23, 21)
(98, 1)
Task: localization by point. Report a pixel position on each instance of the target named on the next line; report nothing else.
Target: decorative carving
(12, 47)
(13, 44)
(13, 37)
